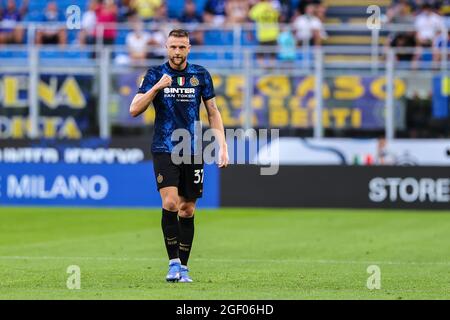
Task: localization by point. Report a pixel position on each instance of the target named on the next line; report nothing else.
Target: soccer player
(176, 89)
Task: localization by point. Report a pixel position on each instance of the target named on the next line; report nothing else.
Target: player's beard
(178, 62)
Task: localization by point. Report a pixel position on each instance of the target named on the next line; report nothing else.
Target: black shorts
(188, 178)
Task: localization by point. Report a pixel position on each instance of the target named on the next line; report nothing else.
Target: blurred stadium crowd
(304, 21)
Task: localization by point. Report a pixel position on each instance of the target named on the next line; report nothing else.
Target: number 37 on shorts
(198, 176)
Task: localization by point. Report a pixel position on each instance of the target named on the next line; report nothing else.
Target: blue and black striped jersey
(177, 106)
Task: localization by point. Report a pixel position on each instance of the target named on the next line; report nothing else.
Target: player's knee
(186, 210)
(170, 203)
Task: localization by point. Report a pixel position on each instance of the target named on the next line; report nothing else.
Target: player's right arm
(141, 101)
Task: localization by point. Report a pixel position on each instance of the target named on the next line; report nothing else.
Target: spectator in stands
(189, 14)
(158, 41)
(54, 31)
(106, 13)
(309, 29)
(236, 11)
(214, 12)
(162, 15)
(88, 22)
(10, 31)
(412, 5)
(408, 42)
(436, 4)
(321, 11)
(158, 35)
(137, 42)
(125, 10)
(285, 9)
(301, 8)
(384, 155)
(438, 46)
(400, 13)
(287, 45)
(321, 14)
(428, 25)
(147, 9)
(190, 17)
(266, 16)
(445, 12)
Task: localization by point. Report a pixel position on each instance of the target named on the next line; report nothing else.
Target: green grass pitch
(237, 254)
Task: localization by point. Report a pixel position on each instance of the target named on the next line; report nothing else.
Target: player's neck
(178, 68)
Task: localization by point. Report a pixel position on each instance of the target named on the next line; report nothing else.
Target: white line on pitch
(443, 263)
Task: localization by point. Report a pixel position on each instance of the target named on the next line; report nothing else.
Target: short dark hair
(179, 33)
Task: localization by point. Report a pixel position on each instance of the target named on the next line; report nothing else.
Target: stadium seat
(32, 16)
(6, 54)
(248, 38)
(175, 8)
(122, 36)
(218, 37)
(72, 36)
(203, 56)
(352, 12)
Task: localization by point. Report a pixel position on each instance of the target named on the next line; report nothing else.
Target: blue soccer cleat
(174, 272)
(184, 276)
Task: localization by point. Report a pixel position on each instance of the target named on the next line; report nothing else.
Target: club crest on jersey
(181, 81)
(194, 81)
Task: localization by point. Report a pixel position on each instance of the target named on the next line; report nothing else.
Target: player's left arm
(216, 123)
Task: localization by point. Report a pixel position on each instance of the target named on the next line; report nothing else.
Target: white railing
(239, 31)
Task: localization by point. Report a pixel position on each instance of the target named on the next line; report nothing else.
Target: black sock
(169, 224)
(186, 237)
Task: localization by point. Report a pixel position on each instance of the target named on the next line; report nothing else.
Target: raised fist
(164, 82)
